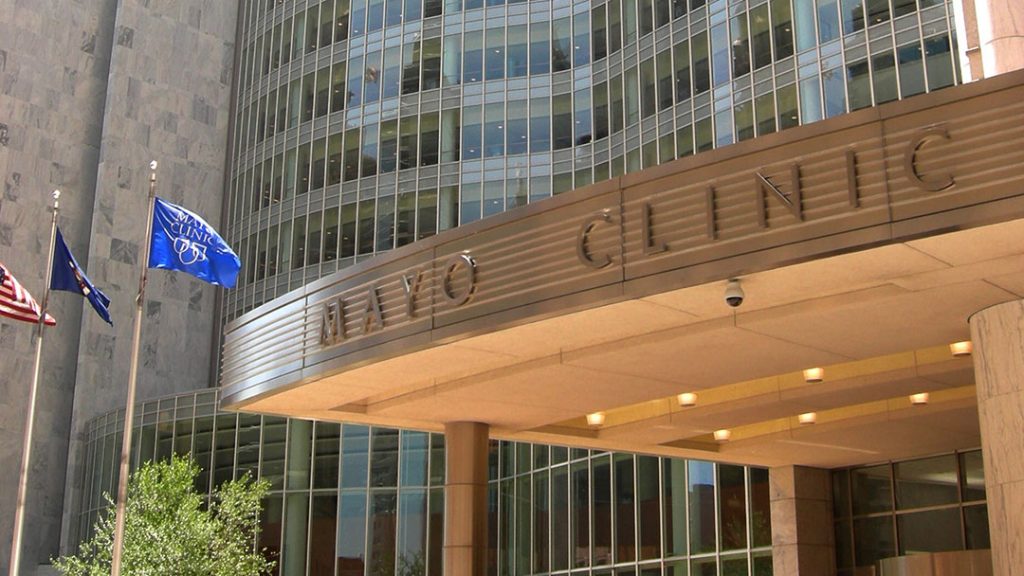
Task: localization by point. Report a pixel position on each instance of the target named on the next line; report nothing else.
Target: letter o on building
(464, 263)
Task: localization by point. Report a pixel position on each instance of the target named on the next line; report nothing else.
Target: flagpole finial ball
(56, 194)
(152, 165)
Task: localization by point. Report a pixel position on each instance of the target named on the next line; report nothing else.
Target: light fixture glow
(814, 375)
(722, 435)
(687, 399)
(919, 399)
(964, 348)
(595, 419)
(808, 417)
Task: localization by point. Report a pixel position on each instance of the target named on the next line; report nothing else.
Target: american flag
(16, 302)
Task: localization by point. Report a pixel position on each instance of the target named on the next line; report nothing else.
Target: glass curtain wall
(353, 500)
(346, 108)
(932, 504)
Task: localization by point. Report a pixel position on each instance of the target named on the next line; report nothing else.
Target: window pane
(884, 75)
(701, 487)
(414, 458)
(325, 469)
(932, 531)
(732, 506)
(412, 532)
(541, 518)
(760, 509)
(872, 490)
(875, 539)
(269, 539)
(782, 28)
(760, 36)
(602, 503)
(581, 514)
(674, 474)
(272, 466)
(381, 534)
(355, 446)
(322, 533)
(351, 544)
(911, 70)
(939, 62)
(560, 518)
(625, 509)
(972, 476)
(648, 504)
(835, 92)
(926, 482)
(976, 522)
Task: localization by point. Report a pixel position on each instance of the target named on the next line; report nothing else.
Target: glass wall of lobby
(359, 500)
(363, 126)
(351, 499)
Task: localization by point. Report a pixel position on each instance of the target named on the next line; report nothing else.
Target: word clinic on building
(458, 284)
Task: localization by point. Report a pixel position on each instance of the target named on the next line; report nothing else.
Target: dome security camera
(734, 293)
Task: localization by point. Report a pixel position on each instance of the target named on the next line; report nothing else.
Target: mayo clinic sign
(933, 163)
(457, 280)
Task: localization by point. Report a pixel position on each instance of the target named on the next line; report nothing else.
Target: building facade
(364, 126)
(319, 134)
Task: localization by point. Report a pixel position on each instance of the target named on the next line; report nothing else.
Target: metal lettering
(712, 226)
(581, 241)
(910, 159)
(851, 178)
(791, 201)
(371, 311)
(332, 322)
(648, 234)
(411, 287)
(464, 262)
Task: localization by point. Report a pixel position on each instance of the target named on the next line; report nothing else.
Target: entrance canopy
(862, 244)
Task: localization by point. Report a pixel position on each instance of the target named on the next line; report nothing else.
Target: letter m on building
(332, 322)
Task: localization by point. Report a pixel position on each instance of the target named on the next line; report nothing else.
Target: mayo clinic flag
(68, 276)
(184, 241)
(16, 302)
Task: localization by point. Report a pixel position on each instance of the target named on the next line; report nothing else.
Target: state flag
(69, 277)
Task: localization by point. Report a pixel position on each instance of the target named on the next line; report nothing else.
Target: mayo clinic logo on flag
(183, 241)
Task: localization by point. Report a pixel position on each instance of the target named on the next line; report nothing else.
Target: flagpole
(133, 372)
(26, 447)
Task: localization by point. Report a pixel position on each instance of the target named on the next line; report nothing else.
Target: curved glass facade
(364, 125)
(354, 500)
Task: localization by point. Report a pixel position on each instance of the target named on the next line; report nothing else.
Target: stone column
(803, 537)
(991, 35)
(998, 336)
(465, 498)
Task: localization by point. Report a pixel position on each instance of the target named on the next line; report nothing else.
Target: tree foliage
(169, 528)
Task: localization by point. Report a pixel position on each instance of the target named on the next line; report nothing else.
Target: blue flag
(184, 241)
(68, 276)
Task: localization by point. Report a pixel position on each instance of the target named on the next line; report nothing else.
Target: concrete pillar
(991, 36)
(803, 537)
(998, 336)
(465, 498)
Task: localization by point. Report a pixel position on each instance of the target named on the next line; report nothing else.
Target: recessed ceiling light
(595, 419)
(722, 435)
(814, 374)
(808, 417)
(687, 399)
(919, 399)
(964, 348)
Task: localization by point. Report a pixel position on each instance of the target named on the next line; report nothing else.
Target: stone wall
(54, 62)
(90, 92)
(168, 99)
